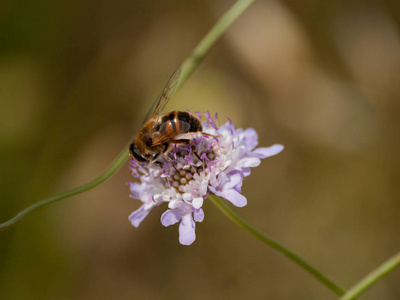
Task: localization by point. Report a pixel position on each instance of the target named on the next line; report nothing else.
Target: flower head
(217, 163)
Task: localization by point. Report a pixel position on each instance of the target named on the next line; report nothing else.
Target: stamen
(204, 156)
(189, 148)
(207, 114)
(212, 122)
(187, 160)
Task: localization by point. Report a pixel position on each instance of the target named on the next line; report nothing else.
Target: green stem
(275, 245)
(205, 45)
(372, 277)
(188, 67)
(118, 162)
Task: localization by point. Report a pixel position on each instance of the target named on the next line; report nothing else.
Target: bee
(160, 131)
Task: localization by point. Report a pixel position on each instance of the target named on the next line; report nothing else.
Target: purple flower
(187, 214)
(220, 162)
(226, 186)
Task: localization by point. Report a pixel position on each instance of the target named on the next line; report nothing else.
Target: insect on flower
(159, 132)
(179, 161)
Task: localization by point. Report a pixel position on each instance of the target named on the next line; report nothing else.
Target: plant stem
(188, 67)
(205, 45)
(372, 277)
(118, 162)
(275, 245)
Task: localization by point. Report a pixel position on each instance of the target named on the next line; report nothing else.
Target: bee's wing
(168, 133)
(165, 96)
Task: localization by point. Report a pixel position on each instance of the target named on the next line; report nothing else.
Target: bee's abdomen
(193, 121)
(179, 121)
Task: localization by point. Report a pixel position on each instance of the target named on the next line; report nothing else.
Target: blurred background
(320, 77)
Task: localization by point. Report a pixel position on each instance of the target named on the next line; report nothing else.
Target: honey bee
(160, 131)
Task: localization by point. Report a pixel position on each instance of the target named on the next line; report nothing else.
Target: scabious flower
(218, 164)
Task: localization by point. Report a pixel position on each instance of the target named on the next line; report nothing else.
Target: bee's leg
(167, 158)
(170, 160)
(195, 153)
(161, 164)
(187, 142)
(155, 161)
(207, 134)
(158, 163)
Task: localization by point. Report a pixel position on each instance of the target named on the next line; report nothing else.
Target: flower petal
(250, 162)
(187, 234)
(187, 196)
(222, 178)
(135, 188)
(170, 217)
(198, 215)
(234, 180)
(238, 187)
(138, 216)
(245, 172)
(251, 138)
(267, 152)
(174, 204)
(233, 196)
(197, 202)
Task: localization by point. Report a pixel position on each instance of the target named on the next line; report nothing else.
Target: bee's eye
(135, 153)
(149, 142)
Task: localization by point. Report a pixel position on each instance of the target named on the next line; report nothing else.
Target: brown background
(320, 77)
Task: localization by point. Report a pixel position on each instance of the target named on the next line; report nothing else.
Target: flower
(221, 159)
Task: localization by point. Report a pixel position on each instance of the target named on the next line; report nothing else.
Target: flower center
(184, 171)
(188, 163)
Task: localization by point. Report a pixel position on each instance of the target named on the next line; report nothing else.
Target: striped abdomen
(179, 122)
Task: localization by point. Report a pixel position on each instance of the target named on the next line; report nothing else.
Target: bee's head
(143, 154)
(136, 154)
